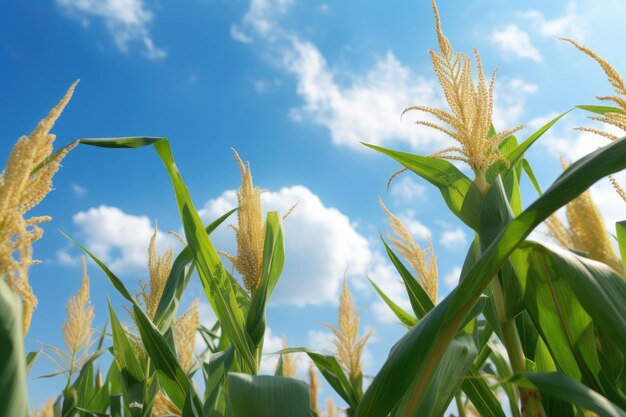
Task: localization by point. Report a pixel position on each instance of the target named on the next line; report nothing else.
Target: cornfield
(531, 329)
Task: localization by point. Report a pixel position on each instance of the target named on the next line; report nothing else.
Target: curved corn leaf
(332, 371)
(600, 109)
(419, 298)
(453, 185)
(421, 349)
(171, 376)
(405, 318)
(216, 282)
(560, 386)
(180, 274)
(515, 154)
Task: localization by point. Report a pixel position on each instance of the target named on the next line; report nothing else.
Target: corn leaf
(620, 232)
(405, 318)
(600, 109)
(451, 182)
(266, 396)
(180, 274)
(13, 396)
(420, 301)
(217, 285)
(447, 379)
(560, 386)
(334, 374)
(513, 155)
(422, 348)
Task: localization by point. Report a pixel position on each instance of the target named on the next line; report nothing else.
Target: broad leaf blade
(418, 352)
(266, 396)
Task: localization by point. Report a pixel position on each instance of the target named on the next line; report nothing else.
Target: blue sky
(293, 86)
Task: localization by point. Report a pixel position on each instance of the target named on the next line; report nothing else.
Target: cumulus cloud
(321, 242)
(119, 239)
(515, 43)
(126, 21)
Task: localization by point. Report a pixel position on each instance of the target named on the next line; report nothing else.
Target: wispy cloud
(515, 43)
(126, 21)
(571, 24)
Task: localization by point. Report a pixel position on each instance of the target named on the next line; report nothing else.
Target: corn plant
(542, 324)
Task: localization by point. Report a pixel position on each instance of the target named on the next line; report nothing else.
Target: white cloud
(366, 105)
(571, 24)
(126, 21)
(453, 239)
(407, 189)
(240, 36)
(321, 339)
(261, 20)
(320, 243)
(119, 239)
(451, 279)
(78, 190)
(514, 42)
(369, 108)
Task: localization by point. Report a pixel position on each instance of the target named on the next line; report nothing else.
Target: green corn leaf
(570, 298)
(531, 176)
(600, 109)
(180, 273)
(451, 182)
(215, 369)
(215, 280)
(513, 155)
(405, 318)
(481, 395)
(560, 386)
(332, 371)
(31, 358)
(171, 376)
(422, 348)
(620, 232)
(266, 396)
(420, 301)
(13, 396)
(131, 374)
(447, 379)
